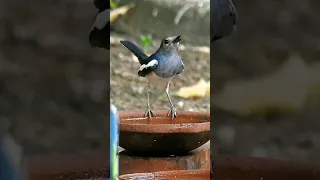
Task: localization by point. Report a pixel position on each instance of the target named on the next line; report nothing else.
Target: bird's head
(170, 42)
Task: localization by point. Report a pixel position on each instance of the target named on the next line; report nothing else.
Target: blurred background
(53, 84)
(146, 23)
(265, 101)
(265, 82)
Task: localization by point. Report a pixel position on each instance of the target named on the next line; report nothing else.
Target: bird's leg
(172, 111)
(148, 110)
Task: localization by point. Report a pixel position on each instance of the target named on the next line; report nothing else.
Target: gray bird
(165, 63)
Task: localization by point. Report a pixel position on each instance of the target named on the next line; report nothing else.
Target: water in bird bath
(154, 121)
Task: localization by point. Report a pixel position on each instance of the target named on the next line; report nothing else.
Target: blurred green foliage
(113, 4)
(145, 41)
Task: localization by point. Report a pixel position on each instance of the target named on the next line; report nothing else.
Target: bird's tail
(135, 50)
(13, 165)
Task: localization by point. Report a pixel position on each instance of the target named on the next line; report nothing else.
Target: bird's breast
(169, 67)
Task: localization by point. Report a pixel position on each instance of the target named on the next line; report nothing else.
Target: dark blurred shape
(100, 31)
(89, 165)
(11, 160)
(250, 168)
(102, 4)
(100, 38)
(223, 18)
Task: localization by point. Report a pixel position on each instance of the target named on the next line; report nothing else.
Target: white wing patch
(102, 19)
(150, 64)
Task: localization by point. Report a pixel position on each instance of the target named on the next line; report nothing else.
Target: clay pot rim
(166, 173)
(164, 128)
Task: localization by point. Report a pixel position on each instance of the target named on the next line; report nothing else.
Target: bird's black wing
(99, 35)
(223, 17)
(147, 68)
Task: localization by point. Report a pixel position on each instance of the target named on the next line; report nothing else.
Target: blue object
(165, 63)
(114, 143)
(223, 18)
(12, 164)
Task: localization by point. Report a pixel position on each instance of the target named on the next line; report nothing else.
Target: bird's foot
(172, 113)
(148, 113)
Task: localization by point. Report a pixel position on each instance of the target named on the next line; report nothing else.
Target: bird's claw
(148, 113)
(172, 113)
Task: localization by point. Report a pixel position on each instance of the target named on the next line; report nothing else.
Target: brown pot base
(197, 159)
(95, 164)
(170, 175)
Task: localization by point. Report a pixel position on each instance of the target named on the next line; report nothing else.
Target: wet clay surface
(169, 175)
(197, 159)
(161, 135)
(231, 168)
(185, 122)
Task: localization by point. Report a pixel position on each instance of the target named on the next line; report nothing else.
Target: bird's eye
(166, 41)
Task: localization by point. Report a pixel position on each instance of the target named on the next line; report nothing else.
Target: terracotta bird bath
(163, 144)
(162, 135)
(187, 165)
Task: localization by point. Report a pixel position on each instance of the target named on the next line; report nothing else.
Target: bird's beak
(176, 39)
